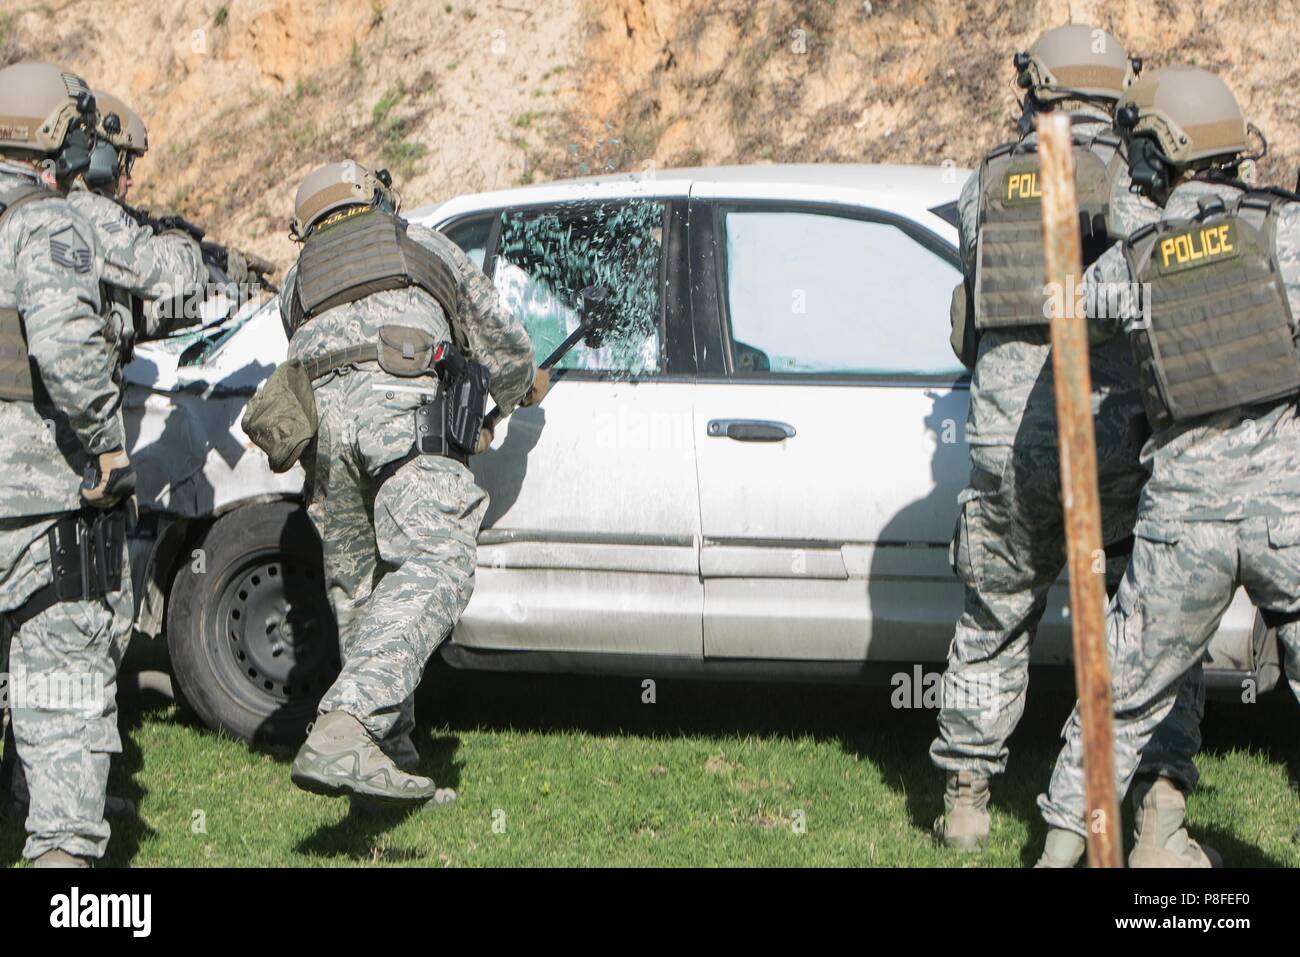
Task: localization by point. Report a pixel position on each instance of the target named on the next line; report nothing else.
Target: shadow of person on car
(171, 466)
(911, 559)
(501, 471)
(356, 835)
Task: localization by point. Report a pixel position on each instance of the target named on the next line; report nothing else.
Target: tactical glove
(541, 385)
(108, 480)
(485, 436)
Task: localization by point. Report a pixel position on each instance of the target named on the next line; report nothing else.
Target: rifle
(214, 254)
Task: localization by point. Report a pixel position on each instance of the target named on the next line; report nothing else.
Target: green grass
(582, 773)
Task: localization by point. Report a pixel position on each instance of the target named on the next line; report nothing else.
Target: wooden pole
(1079, 496)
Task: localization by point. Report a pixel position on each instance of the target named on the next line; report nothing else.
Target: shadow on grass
(357, 835)
(861, 719)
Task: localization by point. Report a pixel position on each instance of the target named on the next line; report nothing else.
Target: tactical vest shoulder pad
(21, 195)
(1217, 333)
(365, 252)
(1140, 234)
(1009, 261)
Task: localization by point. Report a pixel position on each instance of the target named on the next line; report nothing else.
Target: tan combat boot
(340, 758)
(1160, 839)
(402, 751)
(57, 858)
(964, 824)
(1062, 849)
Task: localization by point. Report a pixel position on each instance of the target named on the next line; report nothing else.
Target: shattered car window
(547, 257)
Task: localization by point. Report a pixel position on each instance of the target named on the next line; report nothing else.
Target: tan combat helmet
(1190, 112)
(335, 186)
(1076, 61)
(39, 105)
(127, 132)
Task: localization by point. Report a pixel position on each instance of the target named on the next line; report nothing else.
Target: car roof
(910, 190)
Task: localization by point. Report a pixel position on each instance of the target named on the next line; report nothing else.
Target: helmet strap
(1263, 143)
(1030, 107)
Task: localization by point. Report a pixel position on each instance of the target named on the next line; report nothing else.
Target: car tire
(250, 632)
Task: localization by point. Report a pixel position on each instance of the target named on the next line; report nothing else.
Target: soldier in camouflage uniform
(399, 528)
(139, 269)
(65, 471)
(1009, 545)
(143, 269)
(1212, 326)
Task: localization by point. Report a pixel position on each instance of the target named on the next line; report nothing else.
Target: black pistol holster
(86, 550)
(450, 423)
(464, 392)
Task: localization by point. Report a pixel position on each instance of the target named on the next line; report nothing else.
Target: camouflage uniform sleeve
(1108, 294)
(967, 221)
(1288, 254)
(148, 264)
(58, 297)
(1130, 211)
(493, 334)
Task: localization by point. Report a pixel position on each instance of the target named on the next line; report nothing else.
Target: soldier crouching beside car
(396, 339)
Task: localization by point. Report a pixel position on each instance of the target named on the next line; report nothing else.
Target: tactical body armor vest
(359, 251)
(1009, 260)
(15, 364)
(1217, 331)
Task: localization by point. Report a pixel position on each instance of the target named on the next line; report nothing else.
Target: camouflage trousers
(399, 557)
(1008, 550)
(62, 695)
(1181, 579)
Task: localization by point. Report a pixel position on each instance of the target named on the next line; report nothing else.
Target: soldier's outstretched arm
(151, 265)
(58, 298)
(497, 338)
(1288, 254)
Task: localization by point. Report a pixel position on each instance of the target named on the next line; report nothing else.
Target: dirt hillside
(243, 97)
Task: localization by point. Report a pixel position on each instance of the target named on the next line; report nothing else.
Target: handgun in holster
(86, 553)
(86, 559)
(459, 408)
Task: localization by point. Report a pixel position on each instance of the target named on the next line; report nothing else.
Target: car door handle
(751, 430)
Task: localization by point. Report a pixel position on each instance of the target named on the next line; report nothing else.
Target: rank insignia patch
(69, 250)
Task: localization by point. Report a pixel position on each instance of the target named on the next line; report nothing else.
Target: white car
(758, 477)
